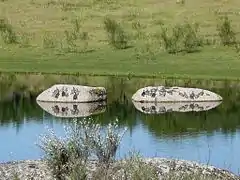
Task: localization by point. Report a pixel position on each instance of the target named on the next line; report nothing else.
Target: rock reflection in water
(72, 110)
(159, 108)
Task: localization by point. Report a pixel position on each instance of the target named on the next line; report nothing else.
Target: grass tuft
(116, 35)
(48, 41)
(181, 38)
(225, 31)
(7, 32)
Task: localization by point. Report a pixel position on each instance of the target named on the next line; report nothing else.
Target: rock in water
(160, 108)
(174, 94)
(73, 110)
(72, 93)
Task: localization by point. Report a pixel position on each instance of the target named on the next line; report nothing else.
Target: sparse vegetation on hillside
(225, 31)
(183, 38)
(69, 36)
(7, 33)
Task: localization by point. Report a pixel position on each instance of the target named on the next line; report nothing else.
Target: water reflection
(174, 134)
(160, 108)
(225, 117)
(73, 110)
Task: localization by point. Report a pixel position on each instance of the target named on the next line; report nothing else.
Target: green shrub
(76, 28)
(76, 40)
(71, 41)
(225, 31)
(7, 32)
(191, 38)
(48, 41)
(170, 42)
(181, 38)
(116, 35)
(24, 39)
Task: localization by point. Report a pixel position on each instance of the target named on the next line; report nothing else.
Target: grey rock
(174, 94)
(181, 168)
(38, 169)
(73, 93)
(25, 170)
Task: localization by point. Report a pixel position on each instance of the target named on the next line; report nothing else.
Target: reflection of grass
(35, 83)
(120, 91)
(90, 53)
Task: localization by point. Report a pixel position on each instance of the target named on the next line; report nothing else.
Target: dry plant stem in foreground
(84, 141)
(88, 152)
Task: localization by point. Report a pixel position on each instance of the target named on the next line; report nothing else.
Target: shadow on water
(18, 104)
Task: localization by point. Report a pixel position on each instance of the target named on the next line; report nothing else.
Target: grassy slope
(47, 19)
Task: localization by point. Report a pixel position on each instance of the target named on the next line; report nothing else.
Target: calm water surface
(211, 136)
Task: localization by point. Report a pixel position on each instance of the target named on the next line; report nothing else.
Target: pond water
(210, 137)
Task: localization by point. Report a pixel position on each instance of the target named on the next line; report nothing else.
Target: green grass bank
(144, 38)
